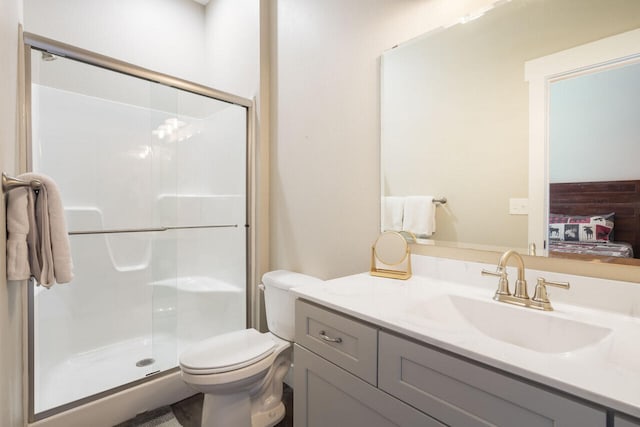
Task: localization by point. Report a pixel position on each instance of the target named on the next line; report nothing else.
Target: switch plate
(518, 206)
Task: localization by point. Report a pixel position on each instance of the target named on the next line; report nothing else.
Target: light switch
(519, 206)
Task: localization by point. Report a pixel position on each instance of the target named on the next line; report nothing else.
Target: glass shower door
(153, 181)
(200, 291)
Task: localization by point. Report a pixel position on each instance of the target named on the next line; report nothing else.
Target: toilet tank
(279, 302)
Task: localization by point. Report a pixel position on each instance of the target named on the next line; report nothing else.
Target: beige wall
(11, 410)
(325, 145)
(325, 133)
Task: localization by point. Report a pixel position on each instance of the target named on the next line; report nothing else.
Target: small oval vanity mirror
(390, 256)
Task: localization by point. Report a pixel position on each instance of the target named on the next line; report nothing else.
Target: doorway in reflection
(594, 180)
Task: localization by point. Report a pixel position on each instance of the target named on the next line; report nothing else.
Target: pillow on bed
(574, 228)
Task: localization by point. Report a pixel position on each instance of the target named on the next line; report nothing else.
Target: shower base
(86, 374)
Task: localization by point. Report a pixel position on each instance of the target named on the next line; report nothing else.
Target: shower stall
(153, 173)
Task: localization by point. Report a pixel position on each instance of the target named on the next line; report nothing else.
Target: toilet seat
(227, 352)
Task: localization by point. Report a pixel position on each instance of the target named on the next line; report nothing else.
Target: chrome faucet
(520, 295)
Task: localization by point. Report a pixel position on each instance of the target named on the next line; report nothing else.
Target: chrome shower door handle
(324, 336)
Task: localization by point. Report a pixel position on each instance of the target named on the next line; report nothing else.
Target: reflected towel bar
(9, 183)
(441, 200)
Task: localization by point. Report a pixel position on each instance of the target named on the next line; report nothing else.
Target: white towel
(419, 215)
(49, 249)
(392, 213)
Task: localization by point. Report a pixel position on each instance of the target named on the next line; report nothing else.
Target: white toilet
(241, 373)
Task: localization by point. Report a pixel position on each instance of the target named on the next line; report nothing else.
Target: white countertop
(606, 372)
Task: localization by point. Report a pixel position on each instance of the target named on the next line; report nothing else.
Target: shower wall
(153, 181)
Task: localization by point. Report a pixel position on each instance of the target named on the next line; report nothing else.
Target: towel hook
(9, 183)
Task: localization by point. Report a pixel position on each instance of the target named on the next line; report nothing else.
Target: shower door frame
(36, 42)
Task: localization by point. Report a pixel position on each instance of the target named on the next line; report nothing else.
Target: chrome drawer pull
(329, 339)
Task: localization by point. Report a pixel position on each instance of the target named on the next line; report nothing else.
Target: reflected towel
(49, 249)
(19, 211)
(419, 215)
(392, 213)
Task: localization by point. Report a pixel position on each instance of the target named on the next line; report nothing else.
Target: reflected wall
(455, 118)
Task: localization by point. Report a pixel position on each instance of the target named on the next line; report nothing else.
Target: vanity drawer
(350, 344)
(460, 393)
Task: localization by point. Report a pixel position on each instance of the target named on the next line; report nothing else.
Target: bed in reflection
(595, 221)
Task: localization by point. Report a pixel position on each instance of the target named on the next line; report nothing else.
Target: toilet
(241, 373)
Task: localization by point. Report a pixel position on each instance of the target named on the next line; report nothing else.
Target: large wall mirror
(524, 152)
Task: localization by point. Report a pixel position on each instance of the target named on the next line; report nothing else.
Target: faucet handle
(540, 298)
(498, 273)
(503, 283)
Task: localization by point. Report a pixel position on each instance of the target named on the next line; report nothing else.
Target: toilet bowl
(241, 373)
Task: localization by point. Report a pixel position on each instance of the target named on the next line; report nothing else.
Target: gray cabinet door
(460, 393)
(622, 421)
(328, 396)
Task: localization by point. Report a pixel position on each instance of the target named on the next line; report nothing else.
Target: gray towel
(47, 239)
(19, 206)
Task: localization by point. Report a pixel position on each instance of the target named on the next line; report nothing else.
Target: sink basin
(623, 351)
(519, 326)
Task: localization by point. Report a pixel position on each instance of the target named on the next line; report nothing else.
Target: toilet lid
(233, 350)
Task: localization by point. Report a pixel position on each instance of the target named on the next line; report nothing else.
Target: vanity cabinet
(350, 373)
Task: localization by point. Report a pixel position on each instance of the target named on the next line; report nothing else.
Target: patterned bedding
(604, 249)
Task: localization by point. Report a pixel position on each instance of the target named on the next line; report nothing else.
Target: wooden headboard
(597, 198)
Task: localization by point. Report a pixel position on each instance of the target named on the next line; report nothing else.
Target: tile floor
(188, 412)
